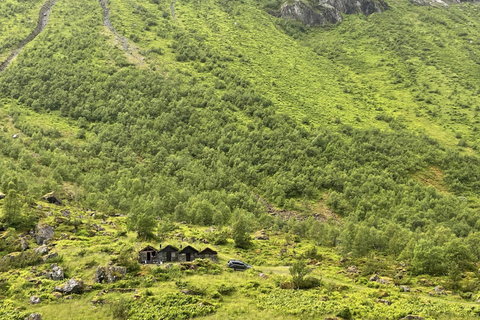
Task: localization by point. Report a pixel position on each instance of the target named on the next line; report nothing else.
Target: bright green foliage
(299, 270)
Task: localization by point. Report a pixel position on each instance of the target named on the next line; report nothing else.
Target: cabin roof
(208, 251)
(148, 248)
(189, 249)
(169, 248)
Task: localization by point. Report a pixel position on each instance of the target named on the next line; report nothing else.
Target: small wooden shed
(188, 253)
(208, 253)
(168, 254)
(148, 255)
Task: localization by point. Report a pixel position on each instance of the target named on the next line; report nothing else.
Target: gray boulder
(2, 196)
(34, 316)
(374, 278)
(71, 286)
(43, 233)
(49, 256)
(56, 273)
(66, 213)
(110, 274)
(35, 300)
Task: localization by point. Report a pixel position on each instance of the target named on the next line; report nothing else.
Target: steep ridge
(43, 16)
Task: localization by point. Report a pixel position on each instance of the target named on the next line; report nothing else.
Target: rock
(431, 3)
(413, 317)
(374, 278)
(352, 269)
(187, 292)
(34, 316)
(24, 244)
(57, 295)
(263, 275)
(71, 286)
(2, 196)
(404, 288)
(386, 302)
(15, 136)
(52, 198)
(66, 213)
(383, 281)
(43, 233)
(261, 235)
(41, 250)
(109, 274)
(35, 300)
(56, 273)
(329, 11)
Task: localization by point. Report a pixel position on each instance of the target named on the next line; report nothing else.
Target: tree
(11, 210)
(428, 258)
(299, 271)
(240, 231)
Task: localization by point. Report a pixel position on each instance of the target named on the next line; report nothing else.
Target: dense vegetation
(211, 118)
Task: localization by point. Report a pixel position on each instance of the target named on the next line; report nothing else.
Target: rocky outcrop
(432, 3)
(329, 11)
(109, 274)
(71, 286)
(52, 198)
(43, 233)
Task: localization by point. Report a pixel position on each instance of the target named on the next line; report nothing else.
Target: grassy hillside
(359, 140)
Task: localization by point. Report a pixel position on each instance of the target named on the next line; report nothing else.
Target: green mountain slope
(214, 112)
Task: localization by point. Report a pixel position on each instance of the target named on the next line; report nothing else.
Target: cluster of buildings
(149, 254)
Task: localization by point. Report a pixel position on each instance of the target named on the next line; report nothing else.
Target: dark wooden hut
(168, 254)
(148, 255)
(208, 253)
(188, 253)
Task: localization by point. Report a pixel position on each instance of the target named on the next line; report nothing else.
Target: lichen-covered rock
(49, 256)
(329, 11)
(35, 300)
(43, 233)
(261, 235)
(52, 198)
(71, 286)
(41, 250)
(24, 244)
(109, 274)
(375, 277)
(34, 316)
(404, 288)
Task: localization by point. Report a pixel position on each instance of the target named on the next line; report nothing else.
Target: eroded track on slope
(131, 50)
(43, 17)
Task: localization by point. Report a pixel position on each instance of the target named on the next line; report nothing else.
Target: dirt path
(130, 49)
(43, 16)
(172, 9)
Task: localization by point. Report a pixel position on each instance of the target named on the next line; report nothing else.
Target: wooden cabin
(148, 255)
(188, 253)
(208, 253)
(168, 254)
